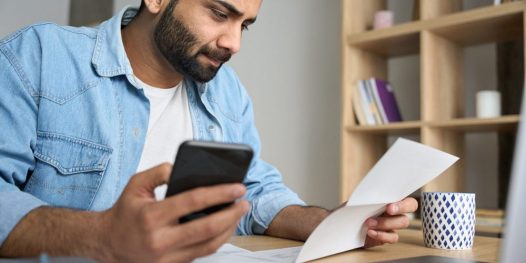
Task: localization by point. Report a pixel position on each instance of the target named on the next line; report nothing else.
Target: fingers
(371, 242)
(146, 181)
(408, 205)
(382, 237)
(387, 223)
(205, 228)
(174, 207)
(204, 248)
(381, 229)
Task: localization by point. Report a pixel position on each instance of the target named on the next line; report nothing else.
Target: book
(366, 103)
(489, 221)
(357, 105)
(377, 101)
(388, 101)
(490, 212)
(372, 104)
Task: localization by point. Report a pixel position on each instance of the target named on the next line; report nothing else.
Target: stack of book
(490, 218)
(374, 102)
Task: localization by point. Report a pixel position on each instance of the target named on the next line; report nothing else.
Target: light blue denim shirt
(73, 122)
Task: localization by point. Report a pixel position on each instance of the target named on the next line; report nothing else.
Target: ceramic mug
(448, 219)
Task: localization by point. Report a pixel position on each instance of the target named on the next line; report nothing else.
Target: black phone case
(201, 164)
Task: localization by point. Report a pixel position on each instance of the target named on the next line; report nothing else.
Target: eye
(218, 14)
(244, 28)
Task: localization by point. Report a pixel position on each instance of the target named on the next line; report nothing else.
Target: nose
(230, 40)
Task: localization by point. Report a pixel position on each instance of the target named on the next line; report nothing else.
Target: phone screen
(201, 164)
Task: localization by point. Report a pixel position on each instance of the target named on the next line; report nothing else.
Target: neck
(147, 62)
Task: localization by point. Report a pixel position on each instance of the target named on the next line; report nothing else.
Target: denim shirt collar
(109, 57)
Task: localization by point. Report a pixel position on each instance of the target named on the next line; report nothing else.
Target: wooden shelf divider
(501, 124)
(504, 123)
(406, 127)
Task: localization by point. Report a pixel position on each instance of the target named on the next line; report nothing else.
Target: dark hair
(142, 4)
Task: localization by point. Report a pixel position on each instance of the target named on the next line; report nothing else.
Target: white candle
(488, 104)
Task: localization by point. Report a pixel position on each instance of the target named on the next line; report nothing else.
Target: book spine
(357, 105)
(372, 103)
(377, 101)
(489, 221)
(366, 103)
(388, 100)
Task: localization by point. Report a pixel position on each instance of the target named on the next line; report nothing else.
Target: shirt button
(211, 127)
(136, 132)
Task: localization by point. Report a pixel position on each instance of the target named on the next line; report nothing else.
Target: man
(83, 110)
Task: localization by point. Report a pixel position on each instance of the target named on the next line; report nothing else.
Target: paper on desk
(404, 168)
(229, 253)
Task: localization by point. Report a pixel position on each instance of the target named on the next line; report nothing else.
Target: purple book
(388, 100)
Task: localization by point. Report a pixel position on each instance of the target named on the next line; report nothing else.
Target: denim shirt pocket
(68, 170)
(230, 121)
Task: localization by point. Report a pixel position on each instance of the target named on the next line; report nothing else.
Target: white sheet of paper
(279, 255)
(404, 168)
(229, 253)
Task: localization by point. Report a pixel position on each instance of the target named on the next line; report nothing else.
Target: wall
(17, 14)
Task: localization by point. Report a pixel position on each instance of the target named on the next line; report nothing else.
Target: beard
(176, 41)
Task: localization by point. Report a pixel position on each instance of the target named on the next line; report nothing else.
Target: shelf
(482, 25)
(406, 127)
(477, 26)
(398, 40)
(504, 123)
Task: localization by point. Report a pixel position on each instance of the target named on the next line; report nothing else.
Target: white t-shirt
(169, 125)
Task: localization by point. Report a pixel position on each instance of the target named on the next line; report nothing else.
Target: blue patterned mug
(448, 219)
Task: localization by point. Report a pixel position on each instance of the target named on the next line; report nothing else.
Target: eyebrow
(232, 9)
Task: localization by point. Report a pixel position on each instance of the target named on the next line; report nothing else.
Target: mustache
(222, 55)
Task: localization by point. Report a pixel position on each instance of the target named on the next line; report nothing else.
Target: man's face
(198, 36)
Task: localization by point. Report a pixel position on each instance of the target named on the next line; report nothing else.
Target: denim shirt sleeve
(266, 191)
(18, 116)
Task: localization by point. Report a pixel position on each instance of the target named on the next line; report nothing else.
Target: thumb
(148, 180)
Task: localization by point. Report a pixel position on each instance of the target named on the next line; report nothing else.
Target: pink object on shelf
(383, 19)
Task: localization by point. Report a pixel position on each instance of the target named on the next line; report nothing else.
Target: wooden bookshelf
(501, 124)
(407, 127)
(438, 38)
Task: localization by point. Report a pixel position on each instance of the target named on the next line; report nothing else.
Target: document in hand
(404, 168)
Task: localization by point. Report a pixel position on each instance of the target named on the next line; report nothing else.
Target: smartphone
(201, 163)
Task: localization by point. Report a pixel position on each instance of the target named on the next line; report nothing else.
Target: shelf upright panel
(359, 151)
(430, 9)
(441, 100)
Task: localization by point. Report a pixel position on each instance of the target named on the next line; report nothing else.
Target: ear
(153, 6)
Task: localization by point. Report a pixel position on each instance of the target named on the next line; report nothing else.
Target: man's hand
(141, 229)
(136, 229)
(382, 229)
(297, 222)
